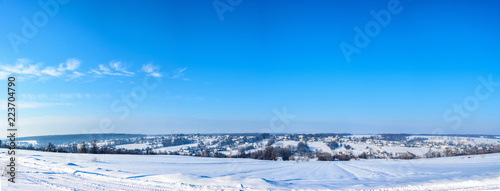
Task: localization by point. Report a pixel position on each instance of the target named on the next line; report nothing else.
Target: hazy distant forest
(299, 152)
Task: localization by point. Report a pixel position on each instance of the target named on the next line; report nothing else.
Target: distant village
(283, 147)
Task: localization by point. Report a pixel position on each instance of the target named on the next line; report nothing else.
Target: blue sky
(240, 69)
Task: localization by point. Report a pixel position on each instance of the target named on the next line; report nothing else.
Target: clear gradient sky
(235, 67)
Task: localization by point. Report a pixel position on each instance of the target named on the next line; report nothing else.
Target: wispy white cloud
(151, 69)
(156, 74)
(27, 69)
(51, 71)
(118, 67)
(33, 105)
(34, 96)
(182, 97)
(43, 96)
(23, 66)
(4, 75)
(114, 69)
(75, 75)
(178, 73)
(70, 64)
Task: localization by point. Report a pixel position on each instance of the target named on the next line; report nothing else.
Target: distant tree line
(269, 152)
(394, 137)
(176, 141)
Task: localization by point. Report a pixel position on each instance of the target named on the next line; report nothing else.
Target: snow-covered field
(62, 171)
(312, 145)
(474, 140)
(134, 146)
(175, 148)
(359, 148)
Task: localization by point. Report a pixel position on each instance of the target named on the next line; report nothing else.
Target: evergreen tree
(83, 148)
(93, 147)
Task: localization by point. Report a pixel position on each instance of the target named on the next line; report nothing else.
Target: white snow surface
(359, 148)
(175, 148)
(475, 140)
(134, 146)
(312, 145)
(63, 171)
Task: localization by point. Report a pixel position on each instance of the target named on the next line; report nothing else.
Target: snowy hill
(63, 171)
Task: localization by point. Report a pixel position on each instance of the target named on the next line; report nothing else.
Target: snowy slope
(134, 146)
(312, 145)
(175, 148)
(359, 148)
(62, 171)
(475, 140)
